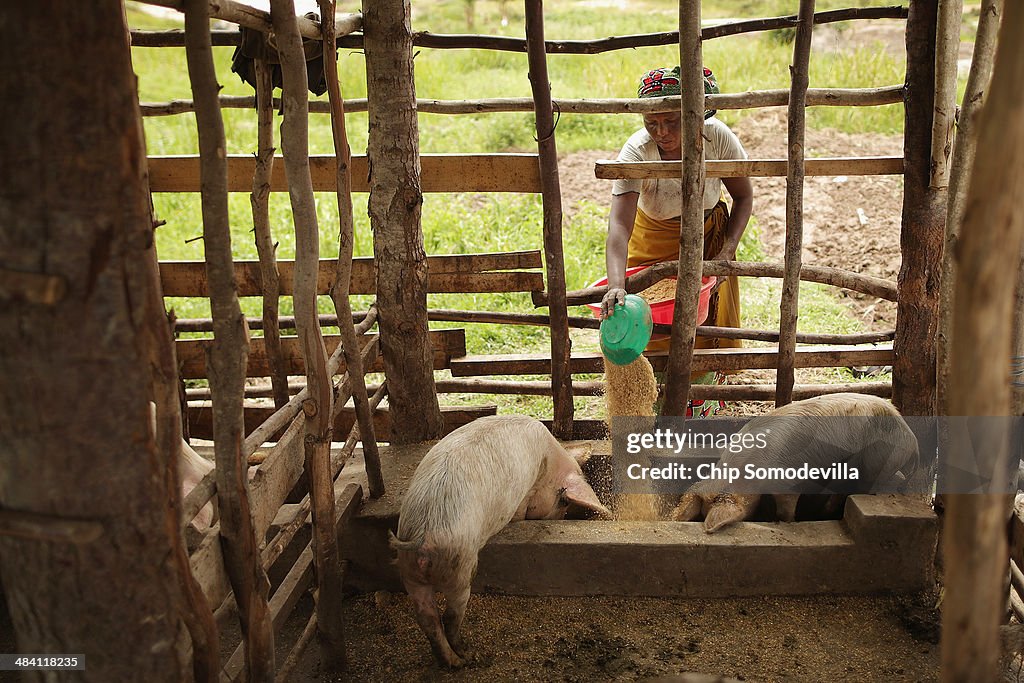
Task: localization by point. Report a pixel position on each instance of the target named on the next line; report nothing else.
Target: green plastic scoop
(626, 332)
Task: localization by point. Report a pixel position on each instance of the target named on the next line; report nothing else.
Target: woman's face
(666, 130)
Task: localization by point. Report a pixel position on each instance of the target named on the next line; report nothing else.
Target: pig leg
(453, 615)
(429, 620)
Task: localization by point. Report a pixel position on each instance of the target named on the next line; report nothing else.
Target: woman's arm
(742, 193)
(620, 228)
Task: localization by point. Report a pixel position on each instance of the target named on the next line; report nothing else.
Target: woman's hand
(615, 296)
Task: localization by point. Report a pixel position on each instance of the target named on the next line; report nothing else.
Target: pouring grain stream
(631, 390)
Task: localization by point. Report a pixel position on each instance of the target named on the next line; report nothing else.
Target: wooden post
(988, 248)
(554, 262)
(923, 224)
(947, 48)
(265, 246)
(395, 204)
(691, 232)
(346, 238)
(227, 356)
(93, 233)
(965, 146)
(318, 405)
(789, 307)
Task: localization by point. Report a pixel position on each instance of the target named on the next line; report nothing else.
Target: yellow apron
(654, 241)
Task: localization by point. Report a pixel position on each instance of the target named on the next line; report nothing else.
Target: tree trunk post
(346, 243)
(395, 206)
(923, 226)
(789, 308)
(554, 261)
(318, 406)
(79, 223)
(691, 233)
(227, 356)
(983, 313)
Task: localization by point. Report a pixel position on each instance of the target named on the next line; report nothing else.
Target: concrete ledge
(883, 544)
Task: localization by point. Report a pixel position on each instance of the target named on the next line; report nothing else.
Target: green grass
(498, 222)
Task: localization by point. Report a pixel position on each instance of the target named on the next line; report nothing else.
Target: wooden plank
(1017, 531)
(440, 173)
(276, 476)
(704, 360)
(447, 344)
(447, 274)
(295, 583)
(200, 425)
(208, 567)
(823, 166)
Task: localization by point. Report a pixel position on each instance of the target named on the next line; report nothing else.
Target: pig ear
(578, 492)
(688, 509)
(580, 452)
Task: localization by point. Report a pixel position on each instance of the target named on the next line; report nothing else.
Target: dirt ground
(611, 639)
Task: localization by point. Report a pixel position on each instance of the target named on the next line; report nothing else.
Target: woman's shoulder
(723, 141)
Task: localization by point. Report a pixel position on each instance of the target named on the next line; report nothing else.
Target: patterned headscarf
(664, 82)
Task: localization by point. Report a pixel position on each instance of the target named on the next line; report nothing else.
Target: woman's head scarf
(664, 82)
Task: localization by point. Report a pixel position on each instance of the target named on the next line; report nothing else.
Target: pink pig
(471, 484)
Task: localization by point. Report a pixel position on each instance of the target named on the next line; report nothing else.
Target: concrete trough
(883, 544)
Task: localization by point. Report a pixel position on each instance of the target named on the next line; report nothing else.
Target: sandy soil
(605, 639)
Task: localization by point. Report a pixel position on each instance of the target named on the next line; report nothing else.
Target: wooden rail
(816, 97)
(497, 272)
(704, 360)
(231, 37)
(759, 168)
(454, 416)
(447, 344)
(440, 173)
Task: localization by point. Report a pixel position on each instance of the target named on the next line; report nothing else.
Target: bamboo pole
(318, 407)
(989, 247)
(947, 49)
(227, 356)
(270, 282)
(922, 227)
(554, 261)
(789, 308)
(691, 232)
(963, 160)
(755, 99)
(343, 277)
(229, 37)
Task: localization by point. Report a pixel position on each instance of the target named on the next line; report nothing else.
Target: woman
(644, 224)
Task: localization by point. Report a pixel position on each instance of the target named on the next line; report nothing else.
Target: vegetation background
(467, 223)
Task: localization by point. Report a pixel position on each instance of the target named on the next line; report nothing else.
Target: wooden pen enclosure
(278, 400)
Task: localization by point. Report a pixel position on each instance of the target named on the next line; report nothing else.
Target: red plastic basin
(661, 311)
